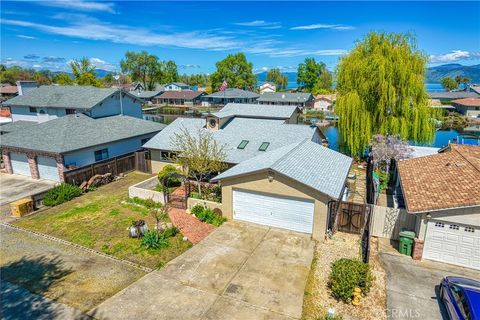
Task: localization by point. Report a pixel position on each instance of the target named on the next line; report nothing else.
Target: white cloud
(303, 52)
(282, 68)
(79, 5)
(25, 37)
(340, 27)
(260, 23)
(101, 64)
(189, 66)
(454, 56)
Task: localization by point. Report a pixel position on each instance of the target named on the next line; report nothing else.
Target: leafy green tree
(63, 79)
(313, 76)
(449, 84)
(143, 67)
(88, 79)
(278, 78)
(84, 72)
(168, 72)
(201, 80)
(380, 90)
(236, 70)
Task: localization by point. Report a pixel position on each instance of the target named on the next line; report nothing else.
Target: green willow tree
(380, 90)
(278, 78)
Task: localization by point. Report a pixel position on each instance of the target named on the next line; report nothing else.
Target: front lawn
(100, 220)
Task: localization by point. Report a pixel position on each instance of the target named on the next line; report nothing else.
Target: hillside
(436, 74)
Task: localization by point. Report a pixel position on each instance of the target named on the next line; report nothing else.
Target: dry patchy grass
(318, 298)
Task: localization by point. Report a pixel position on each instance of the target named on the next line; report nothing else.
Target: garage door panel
(19, 163)
(47, 168)
(273, 210)
(460, 244)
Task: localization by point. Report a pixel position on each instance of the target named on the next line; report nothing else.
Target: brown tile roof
(468, 102)
(180, 95)
(450, 179)
(8, 90)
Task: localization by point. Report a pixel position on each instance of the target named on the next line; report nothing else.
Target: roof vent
(283, 96)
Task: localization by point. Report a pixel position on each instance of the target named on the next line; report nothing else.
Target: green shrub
(154, 240)
(197, 209)
(208, 216)
(168, 169)
(170, 232)
(348, 274)
(147, 203)
(62, 193)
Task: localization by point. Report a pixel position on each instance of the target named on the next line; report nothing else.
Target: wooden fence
(129, 162)
(388, 222)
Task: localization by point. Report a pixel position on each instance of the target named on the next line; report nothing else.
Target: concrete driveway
(14, 187)
(412, 286)
(240, 271)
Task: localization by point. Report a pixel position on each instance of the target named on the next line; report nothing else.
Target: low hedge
(348, 274)
(207, 215)
(61, 193)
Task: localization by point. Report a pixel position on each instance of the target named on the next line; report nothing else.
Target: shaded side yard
(44, 279)
(100, 220)
(318, 297)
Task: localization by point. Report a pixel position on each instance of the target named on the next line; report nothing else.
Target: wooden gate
(142, 161)
(351, 217)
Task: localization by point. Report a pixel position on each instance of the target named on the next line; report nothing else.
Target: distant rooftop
(255, 110)
(452, 95)
(232, 93)
(290, 97)
(468, 102)
(187, 94)
(146, 94)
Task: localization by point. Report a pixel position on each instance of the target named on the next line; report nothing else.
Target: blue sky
(48, 34)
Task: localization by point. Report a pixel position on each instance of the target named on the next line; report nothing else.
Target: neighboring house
(176, 86)
(245, 130)
(50, 102)
(469, 107)
(299, 99)
(180, 98)
(146, 96)
(443, 192)
(324, 102)
(475, 89)
(289, 187)
(267, 87)
(230, 95)
(448, 96)
(7, 92)
(45, 150)
(25, 86)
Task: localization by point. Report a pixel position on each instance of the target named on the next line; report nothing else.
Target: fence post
(93, 170)
(116, 166)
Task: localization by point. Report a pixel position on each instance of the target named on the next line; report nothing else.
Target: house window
(439, 224)
(264, 146)
(32, 110)
(70, 111)
(453, 227)
(243, 144)
(101, 154)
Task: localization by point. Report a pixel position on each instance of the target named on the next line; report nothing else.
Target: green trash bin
(406, 242)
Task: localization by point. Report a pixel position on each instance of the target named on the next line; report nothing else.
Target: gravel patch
(318, 297)
(66, 274)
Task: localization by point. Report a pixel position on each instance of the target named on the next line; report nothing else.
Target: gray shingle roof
(146, 94)
(233, 93)
(255, 110)
(74, 132)
(452, 95)
(307, 162)
(256, 131)
(78, 97)
(16, 125)
(291, 97)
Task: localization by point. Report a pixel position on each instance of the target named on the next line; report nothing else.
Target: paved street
(240, 271)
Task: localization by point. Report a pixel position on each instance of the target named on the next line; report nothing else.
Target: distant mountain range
(434, 74)
(100, 73)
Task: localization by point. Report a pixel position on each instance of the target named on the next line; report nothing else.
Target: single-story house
(289, 187)
(443, 192)
(180, 98)
(230, 95)
(245, 130)
(469, 107)
(45, 150)
(146, 96)
(50, 102)
(452, 95)
(324, 102)
(176, 86)
(299, 99)
(267, 87)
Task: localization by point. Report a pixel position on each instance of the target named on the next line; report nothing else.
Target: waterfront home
(299, 99)
(50, 102)
(180, 98)
(230, 95)
(469, 107)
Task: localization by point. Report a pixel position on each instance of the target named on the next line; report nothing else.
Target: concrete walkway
(240, 271)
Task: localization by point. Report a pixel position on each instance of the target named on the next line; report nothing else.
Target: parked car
(461, 297)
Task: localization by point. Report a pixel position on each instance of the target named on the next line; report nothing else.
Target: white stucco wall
(86, 156)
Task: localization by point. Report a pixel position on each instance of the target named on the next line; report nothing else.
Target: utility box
(21, 207)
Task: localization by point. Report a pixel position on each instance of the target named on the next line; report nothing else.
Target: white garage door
(453, 243)
(20, 164)
(47, 168)
(272, 210)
